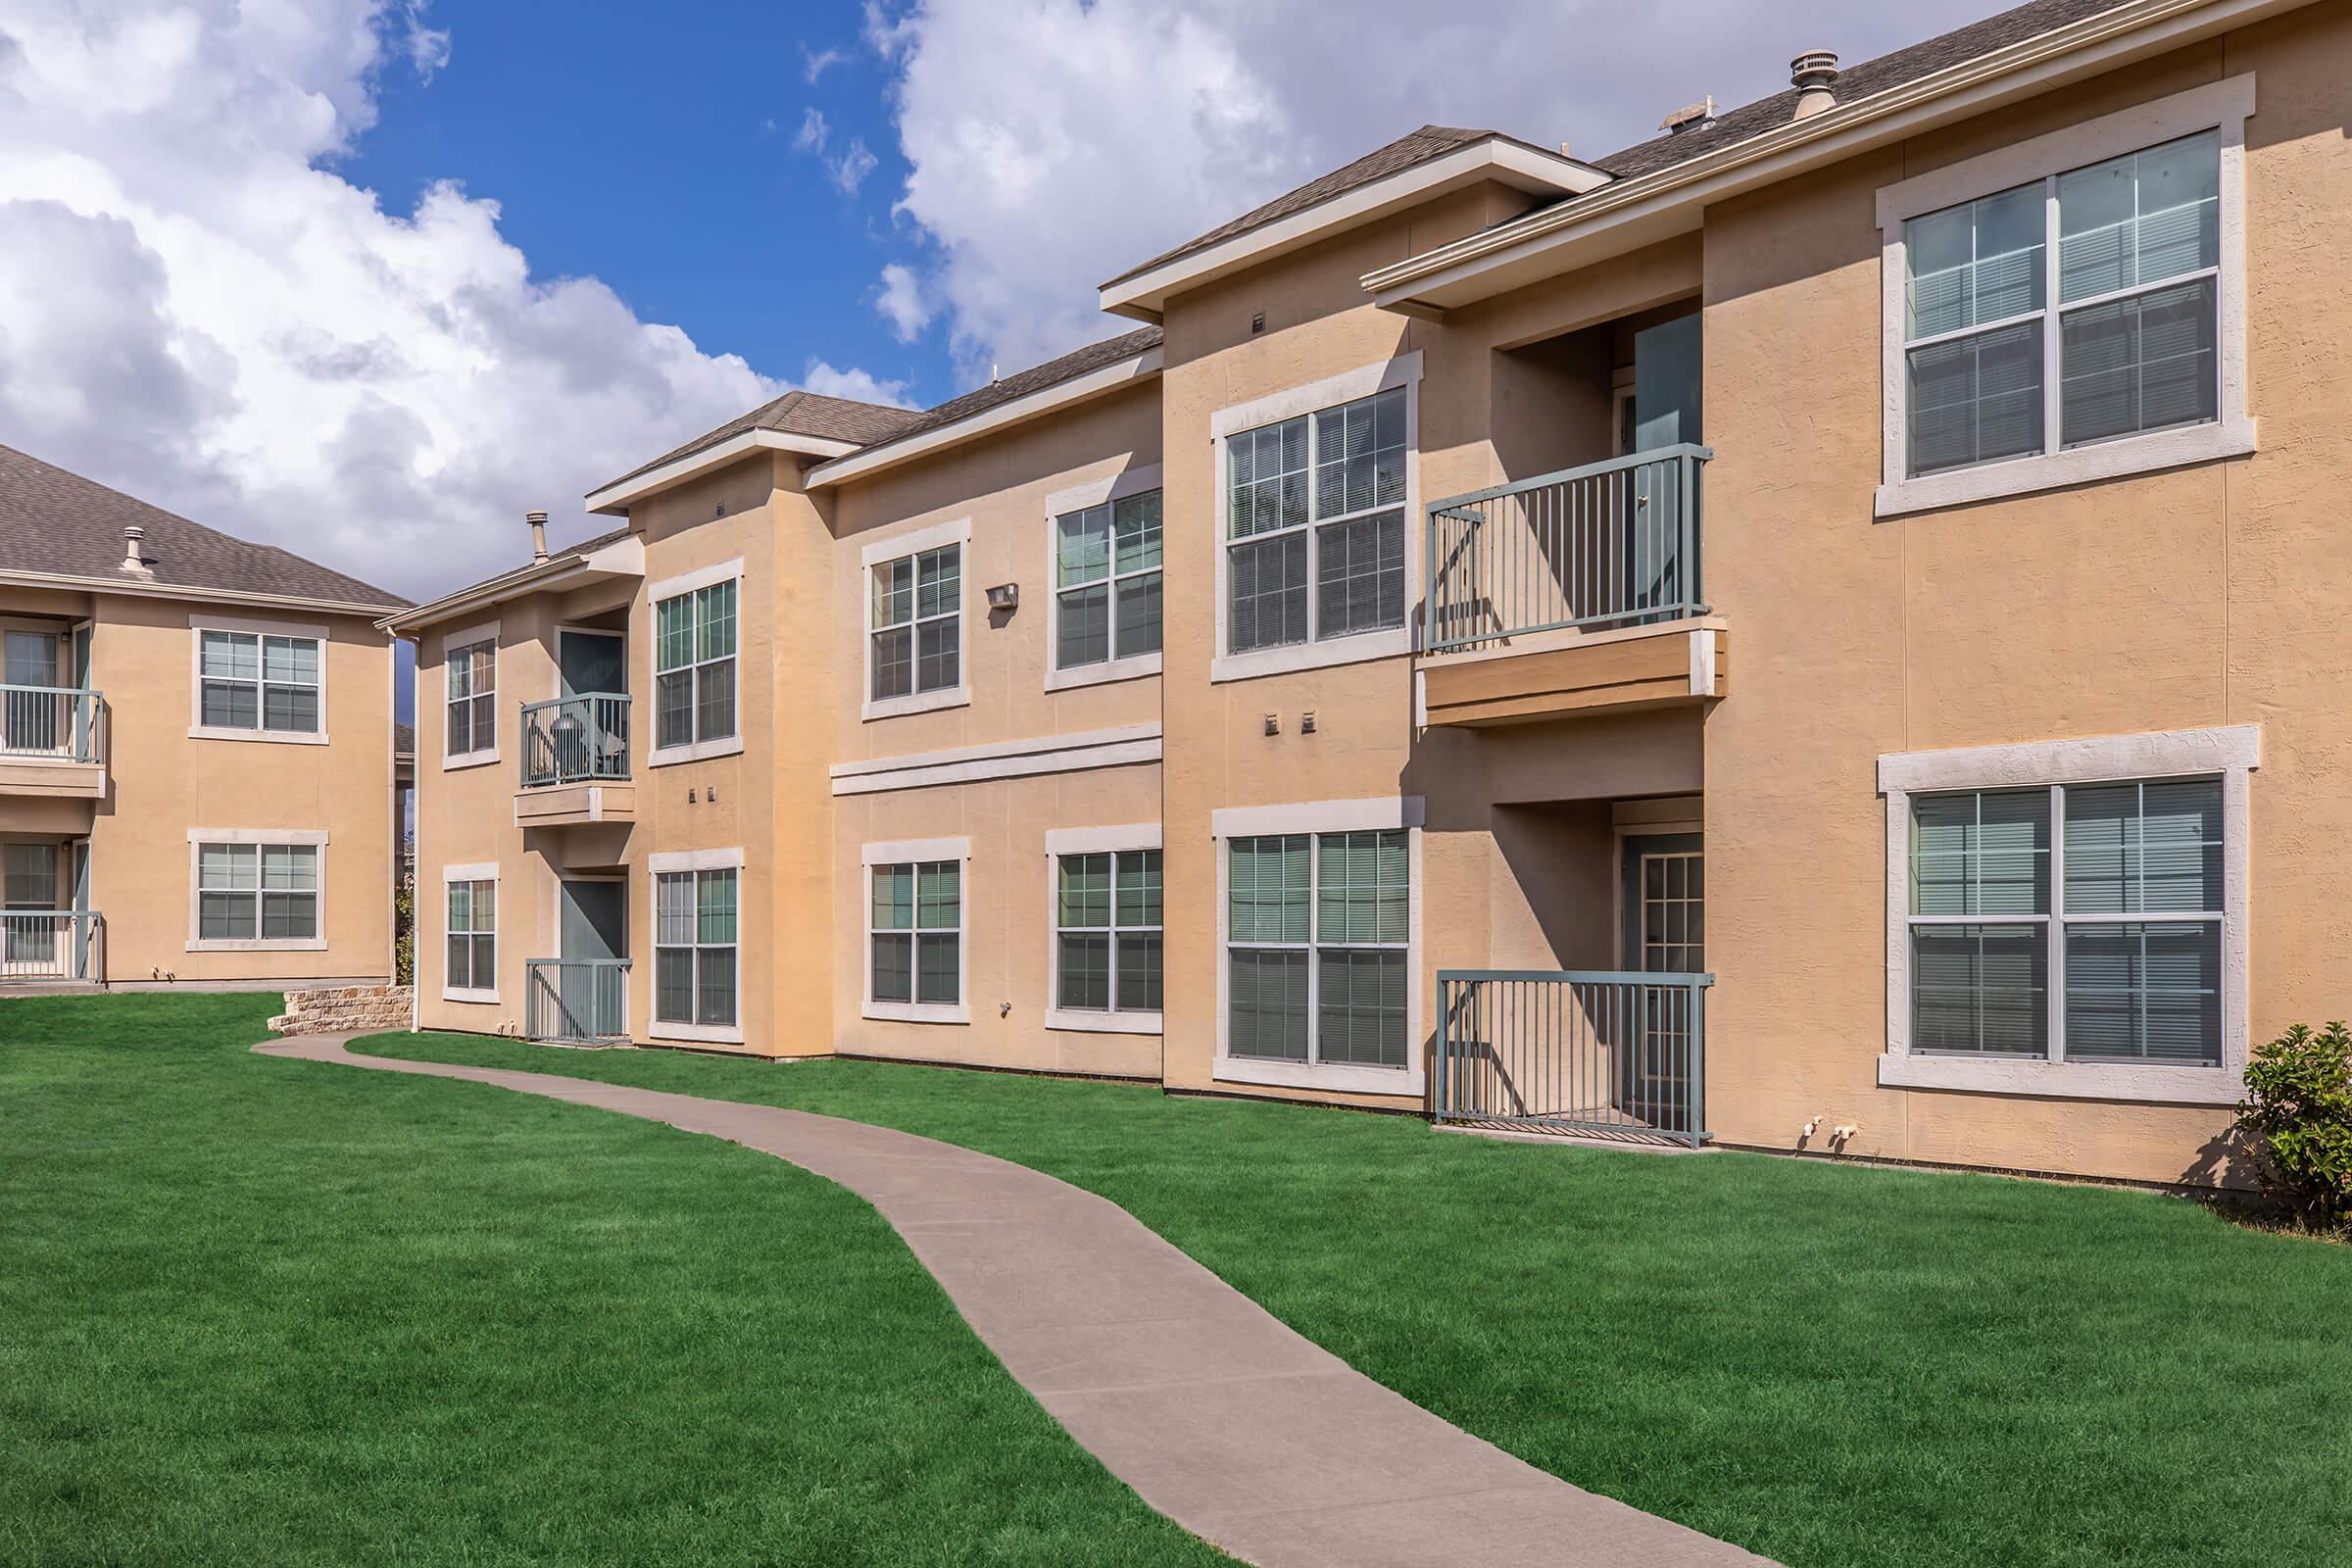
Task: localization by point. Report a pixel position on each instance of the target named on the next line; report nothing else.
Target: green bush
(404, 927)
(2298, 1114)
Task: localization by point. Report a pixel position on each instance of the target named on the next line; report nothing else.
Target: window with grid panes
(1315, 526)
(2134, 943)
(694, 667)
(472, 936)
(257, 891)
(257, 681)
(2127, 252)
(1317, 927)
(473, 706)
(915, 938)
(695, 947)
(917, 644)
(1107, 931)
(1106, 581)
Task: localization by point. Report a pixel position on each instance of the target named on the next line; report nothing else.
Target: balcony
(576, 763)
(52, 742)
(52, 944)
(1573, 592)
(1597, 1054)
(580, 1002)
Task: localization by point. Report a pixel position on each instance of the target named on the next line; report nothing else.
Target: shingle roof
(404, 740)
(1038, 378)
(470, 590)
(797, 412)
(1862, 80)
(1415, 147)
(56, 521)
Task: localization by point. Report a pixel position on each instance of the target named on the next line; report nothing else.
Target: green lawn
(1832, 1366)
(256, 1311)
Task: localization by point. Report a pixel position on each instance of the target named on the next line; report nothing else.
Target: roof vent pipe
(1812, 74)
(538, 522)
(1690, 117)
(134, 555)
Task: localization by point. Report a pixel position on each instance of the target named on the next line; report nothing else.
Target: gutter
(534, 578)
(2096, 42)
(194, 591)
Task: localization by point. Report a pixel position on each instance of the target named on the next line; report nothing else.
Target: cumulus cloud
(1051, 144)
(196, 308)
(902, 302)
(862, 386)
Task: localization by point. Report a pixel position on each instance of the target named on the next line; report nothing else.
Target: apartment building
(196, 756)
(1811, 631)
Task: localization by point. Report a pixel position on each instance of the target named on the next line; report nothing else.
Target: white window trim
(687, 582)
(198, 837)
(1063, 841)
(1324, 817)
(1077, 498)
(895, 853)
(934, 536)
(2224, 106)
(1364, 381)
(2234, 751)
(673, 862)
(455, 642)
(201, 621)
(477, 871)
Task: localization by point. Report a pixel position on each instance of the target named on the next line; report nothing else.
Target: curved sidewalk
(1232, 1425)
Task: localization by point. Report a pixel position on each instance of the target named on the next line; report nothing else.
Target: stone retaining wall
(344, 1009)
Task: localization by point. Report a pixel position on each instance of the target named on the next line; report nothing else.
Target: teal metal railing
(61, 721)
(1593, 1052)
(576, 1000)
(576, 740)
(1610, 544)
(52, 944)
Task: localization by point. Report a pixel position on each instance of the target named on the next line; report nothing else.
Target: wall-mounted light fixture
(1005, 596)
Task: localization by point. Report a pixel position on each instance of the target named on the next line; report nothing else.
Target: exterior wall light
(1005, 596)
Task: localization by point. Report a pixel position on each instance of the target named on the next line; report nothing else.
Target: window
(1106, 581)
(257, 891)
(472, 937)
(918, 626)
(2089, 291)
(1317, 934)
(1107, 918)
(694, 948)
(472, 728)
(258, 681)
(1315, 526)
(2134, 943)
(694, 667)
(916, 933)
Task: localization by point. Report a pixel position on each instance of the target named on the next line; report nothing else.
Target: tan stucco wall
(162, 782)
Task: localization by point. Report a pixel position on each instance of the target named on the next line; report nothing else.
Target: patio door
(585, 662)
(31, 720)
(1665, 922)
(592, 923)
(1664, 412)
(32, 946)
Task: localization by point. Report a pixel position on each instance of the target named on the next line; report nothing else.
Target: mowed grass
(258, 1312)
(1832, 1366)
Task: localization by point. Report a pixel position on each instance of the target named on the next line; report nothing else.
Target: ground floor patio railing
(1597, 1052)
(579, 1000)
(52, 944)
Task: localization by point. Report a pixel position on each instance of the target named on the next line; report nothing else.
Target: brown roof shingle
(1068, 367)
(796, 413)
(55, 521)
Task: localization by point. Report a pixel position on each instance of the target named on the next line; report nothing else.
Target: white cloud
(850, 169)
(196, 308)
(814, 132)
(814, 63)
(902, 302)
(862, 385)
(427, 48)
(1052, 144)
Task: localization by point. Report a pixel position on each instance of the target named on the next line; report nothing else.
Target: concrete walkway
(1220, 1417)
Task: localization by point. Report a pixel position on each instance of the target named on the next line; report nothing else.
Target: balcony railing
(56, 722)
(576, 740)
(52, 944)
(576, 1000)
(1614, 1054)
(1611, 543)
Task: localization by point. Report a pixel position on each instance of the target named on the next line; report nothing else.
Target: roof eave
(620, 558)
(1638, 210)
(1143, 295)
(72, 582)
(617, 497)
(1093, 383)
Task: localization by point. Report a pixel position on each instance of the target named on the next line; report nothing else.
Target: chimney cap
(1812, 74)
(534, 517)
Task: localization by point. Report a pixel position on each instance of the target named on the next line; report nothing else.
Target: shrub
(2298, 1114)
